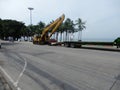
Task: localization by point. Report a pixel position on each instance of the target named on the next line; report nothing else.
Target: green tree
(24, 31)
(1, 29)
(41, 26)
(11, 28)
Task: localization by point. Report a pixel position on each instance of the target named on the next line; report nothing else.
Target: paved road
(60, 68)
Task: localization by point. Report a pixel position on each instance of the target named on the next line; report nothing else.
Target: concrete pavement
(60, 68)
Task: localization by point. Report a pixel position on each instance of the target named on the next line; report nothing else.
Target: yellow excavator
(44, 38)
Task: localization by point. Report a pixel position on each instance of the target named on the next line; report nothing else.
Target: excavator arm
(44, 38)
(57, 25)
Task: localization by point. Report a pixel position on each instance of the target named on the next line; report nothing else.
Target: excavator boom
(57, 25)
(44, 38)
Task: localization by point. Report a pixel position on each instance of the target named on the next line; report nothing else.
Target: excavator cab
(36, 38)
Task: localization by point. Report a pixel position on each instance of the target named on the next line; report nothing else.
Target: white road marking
(18, 79)
(8, 76)
(11, 80)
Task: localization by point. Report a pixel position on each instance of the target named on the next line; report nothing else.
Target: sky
(102, 17)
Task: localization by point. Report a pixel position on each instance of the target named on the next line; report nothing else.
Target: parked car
(52, 42)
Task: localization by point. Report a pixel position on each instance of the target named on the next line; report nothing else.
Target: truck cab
(117, 42)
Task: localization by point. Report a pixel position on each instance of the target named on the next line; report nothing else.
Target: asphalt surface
(60, 68)
(3, 83)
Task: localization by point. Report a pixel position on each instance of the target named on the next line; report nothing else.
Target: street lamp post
(29, 32)
(30, 8)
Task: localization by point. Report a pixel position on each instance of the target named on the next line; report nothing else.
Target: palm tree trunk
(80, 35)
(54, 36)
(63, 36)
(60, 36)
(69, 36)
(66, 35)
(57, 36)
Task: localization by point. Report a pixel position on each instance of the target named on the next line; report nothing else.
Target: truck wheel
(117, 46)
(65, 45)
(72, 45)
(33, 42)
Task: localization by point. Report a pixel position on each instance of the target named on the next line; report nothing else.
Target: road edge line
(9, 80)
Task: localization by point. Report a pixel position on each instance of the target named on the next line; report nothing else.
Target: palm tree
(69, 27)
(81, 26)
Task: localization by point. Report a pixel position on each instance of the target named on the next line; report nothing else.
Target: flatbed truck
(78, 44)
(73, 44)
